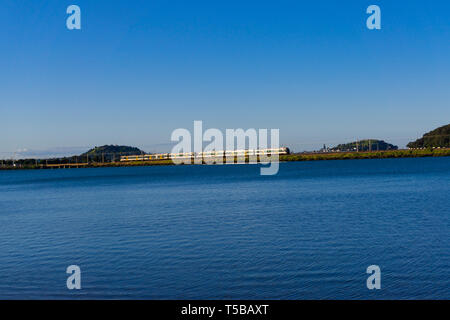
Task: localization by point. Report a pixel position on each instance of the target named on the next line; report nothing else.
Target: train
(207, 154)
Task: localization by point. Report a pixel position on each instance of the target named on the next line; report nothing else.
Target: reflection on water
(206, 232)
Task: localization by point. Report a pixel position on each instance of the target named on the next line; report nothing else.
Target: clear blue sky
(140, 69)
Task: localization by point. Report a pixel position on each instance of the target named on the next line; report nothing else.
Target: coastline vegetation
(411, 153)
(439, 137)
(365, 145)
(435, 143)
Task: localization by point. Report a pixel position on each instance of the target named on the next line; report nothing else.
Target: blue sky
(137, 70)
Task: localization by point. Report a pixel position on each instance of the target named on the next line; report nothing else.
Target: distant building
(324, 149)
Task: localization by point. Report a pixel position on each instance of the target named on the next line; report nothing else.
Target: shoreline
(390, 154)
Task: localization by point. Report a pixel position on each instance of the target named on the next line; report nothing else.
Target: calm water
(226, 232)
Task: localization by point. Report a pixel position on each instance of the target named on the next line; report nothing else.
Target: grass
(415, 153)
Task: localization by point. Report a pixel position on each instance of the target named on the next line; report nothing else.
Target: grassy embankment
(417, 153)
(91, 165)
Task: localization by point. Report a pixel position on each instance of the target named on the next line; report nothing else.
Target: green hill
(365, 145)
(110, 153)
(108, 149)
(438, 138)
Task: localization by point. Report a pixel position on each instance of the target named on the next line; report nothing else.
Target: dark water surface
(206, 232)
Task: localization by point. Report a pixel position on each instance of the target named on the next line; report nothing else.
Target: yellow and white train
(207, 154)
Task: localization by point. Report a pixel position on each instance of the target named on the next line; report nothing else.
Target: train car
(207, 154)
